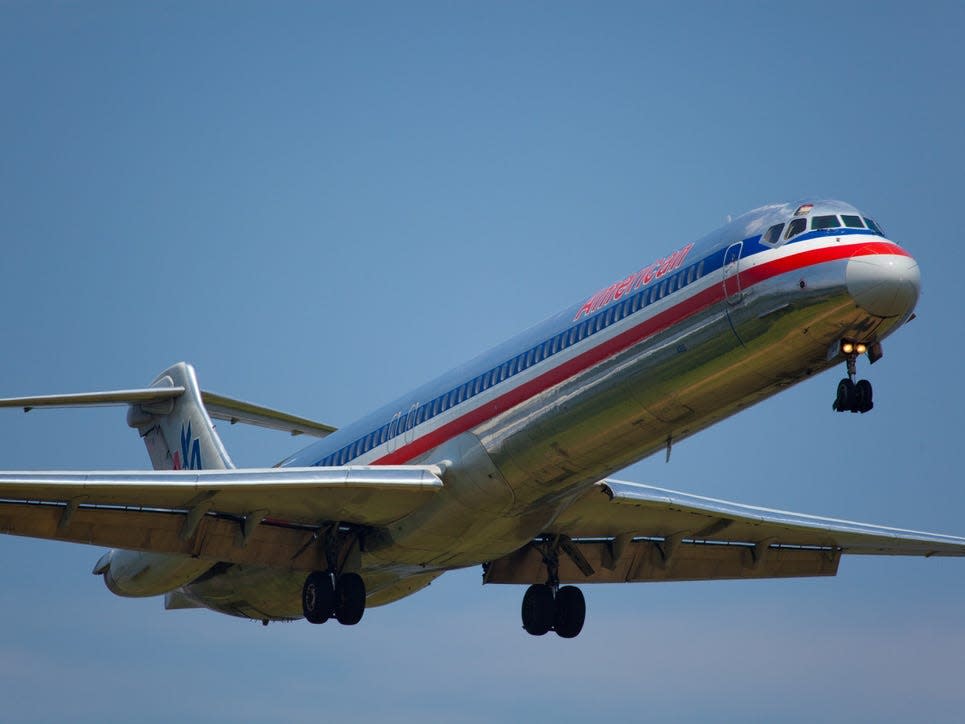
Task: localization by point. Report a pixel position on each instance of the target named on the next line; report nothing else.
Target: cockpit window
(794, 228)
(873, 226)
(772, 235)
(852, 222)
(825, 222)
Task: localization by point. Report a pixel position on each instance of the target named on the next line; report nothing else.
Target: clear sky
(322, 205)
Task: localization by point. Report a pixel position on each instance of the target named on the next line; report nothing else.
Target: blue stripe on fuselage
(498, 366)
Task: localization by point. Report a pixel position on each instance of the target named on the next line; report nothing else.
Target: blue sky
(323, 205)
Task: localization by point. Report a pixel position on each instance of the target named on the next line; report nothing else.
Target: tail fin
(178, 432)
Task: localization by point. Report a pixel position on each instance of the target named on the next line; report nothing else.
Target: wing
(258, 516)
(620, 531)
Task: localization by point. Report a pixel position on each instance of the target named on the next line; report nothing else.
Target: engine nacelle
(132, 573)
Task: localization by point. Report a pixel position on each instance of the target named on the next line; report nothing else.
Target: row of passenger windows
(829, 221)
(587, 327)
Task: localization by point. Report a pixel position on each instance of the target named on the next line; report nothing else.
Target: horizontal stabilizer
(218, 406)
(234, 411)
(145, 396)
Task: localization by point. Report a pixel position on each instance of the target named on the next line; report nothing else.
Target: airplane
(503, 462)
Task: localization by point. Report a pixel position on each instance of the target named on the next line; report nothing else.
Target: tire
(570, 612)
(844, 401)
(318, 597)
(863, 396)
(538, 609)
(349, 599)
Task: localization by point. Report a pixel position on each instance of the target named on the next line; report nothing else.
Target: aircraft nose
(885, 285)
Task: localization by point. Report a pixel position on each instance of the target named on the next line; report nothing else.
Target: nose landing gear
(853, 396)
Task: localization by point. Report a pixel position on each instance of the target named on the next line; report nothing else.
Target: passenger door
(732, 285)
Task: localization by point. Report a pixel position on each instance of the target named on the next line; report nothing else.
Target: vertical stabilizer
(178, 432)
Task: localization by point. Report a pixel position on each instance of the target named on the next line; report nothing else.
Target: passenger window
(794, 228)
(873, 226)
(825, 222)
(852, 222)
(773, 235)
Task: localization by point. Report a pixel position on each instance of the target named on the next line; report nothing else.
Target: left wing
(620, 531)
(259, 516)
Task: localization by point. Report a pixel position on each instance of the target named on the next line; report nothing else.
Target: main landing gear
(548, 607)
(325, 595)
(853, 396)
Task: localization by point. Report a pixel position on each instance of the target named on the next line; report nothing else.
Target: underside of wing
(256, 516)
(620, 531)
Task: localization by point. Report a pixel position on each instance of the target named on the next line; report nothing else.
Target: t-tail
(178, 431)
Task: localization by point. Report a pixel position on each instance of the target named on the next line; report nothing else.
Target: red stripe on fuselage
(626, 339)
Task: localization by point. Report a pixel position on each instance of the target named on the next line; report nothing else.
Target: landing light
(849, 348)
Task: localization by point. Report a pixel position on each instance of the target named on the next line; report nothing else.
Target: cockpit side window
(772, 235)
(852, 222)
(825, 222)
(873, 226)
(794, 228)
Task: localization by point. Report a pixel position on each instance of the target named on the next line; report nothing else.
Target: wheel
(538, 609)
(863, 396)
(349, 599)
(570, 612)
(845, 399)
(318, 597)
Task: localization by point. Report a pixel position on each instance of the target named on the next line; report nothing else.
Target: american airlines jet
(502, 463)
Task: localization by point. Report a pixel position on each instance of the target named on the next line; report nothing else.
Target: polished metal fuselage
(510, 475)
(548, 450)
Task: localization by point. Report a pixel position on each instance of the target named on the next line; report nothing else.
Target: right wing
(259, 516)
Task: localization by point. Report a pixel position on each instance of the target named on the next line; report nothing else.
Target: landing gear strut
(853, 396)
(549, 607)
(335, 593)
